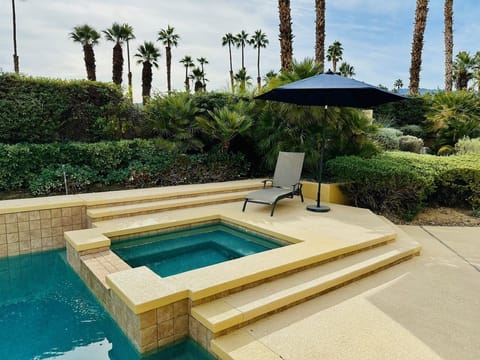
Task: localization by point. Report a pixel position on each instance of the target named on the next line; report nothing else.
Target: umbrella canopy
(329, 89)
(332, 90)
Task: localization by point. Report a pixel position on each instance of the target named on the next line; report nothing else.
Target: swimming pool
(174, 252)
(46, 311)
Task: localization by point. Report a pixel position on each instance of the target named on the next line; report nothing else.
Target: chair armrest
(267, 181)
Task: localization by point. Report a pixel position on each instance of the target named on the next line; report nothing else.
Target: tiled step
(240, 308)
(97, 214)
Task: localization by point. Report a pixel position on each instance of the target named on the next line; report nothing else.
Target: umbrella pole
(318, 207)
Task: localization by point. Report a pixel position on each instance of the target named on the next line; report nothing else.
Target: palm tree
(188, 63)
(241, 39)
(128, 35)
(198, 78)
(286, 36)
(397, 85)
(448, 18)
(16, 65)
(169, 39)
(346, 69)
(300, 70)
(88, 37)
(203, 61)
(334, 54)
(417, 45)
(147, 55)
(242, 79)
(320, 32)
(229, 39)
(259, 40)
(117, 34)
(462, 69)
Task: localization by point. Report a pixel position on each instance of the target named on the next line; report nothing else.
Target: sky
(376, 36)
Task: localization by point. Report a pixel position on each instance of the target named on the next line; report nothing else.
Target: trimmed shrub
(468, 146)
(400, 184)
(387, 138)
(45, 110)
(446, 150)
(131, 163)
(411, 111)
(410, 143)
(414, 130)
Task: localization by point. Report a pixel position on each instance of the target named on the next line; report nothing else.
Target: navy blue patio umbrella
(329, 89)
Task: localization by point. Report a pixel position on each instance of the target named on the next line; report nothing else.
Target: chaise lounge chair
(285, 182)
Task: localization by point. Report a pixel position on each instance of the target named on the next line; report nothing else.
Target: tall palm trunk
(320, 33)
(89, 57)
(448, 15)
(117, 68)
(15, 55)
(130, 87)
(286, 36)
(168, 55)
(259, 79)
(417, 45)
(146, 81)
(187, 81)
(231, 67)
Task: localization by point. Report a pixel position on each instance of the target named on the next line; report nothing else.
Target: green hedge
(130, 163)
(400, 184)
(40, 110)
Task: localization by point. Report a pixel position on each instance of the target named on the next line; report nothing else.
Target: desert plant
(410, 143)
(468, 146)
(387, 138)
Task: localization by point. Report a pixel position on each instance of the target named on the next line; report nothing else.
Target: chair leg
(273, 208)
(244, 205)
(301, 195)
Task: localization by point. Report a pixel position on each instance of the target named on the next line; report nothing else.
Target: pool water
(174, 252)
(46, 311)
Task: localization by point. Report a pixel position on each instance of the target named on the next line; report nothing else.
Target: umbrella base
(320, 208)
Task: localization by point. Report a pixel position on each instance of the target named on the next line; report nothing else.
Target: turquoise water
(47, 312)
(178, 251)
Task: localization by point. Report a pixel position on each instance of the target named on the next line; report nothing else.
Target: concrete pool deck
(425, 308)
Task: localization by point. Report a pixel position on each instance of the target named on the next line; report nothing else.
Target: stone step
(103, 213)
(240, 308)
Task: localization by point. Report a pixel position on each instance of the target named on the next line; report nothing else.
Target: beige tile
(66, 221)
(163, 342)
(56, 213)
(180, 308)
(148, 318)
(164, 313)
(66, 212)
(56, 222)
(2, 219)
(24, 236)
(45, 214)
(23, 226)
(12, 238)
(148, 336)
(3, 239)
(12, 228)
(34, 215)
(35, 234)
(165, 329)
(34, 224)
(36, 243)
(47, 243)
(13, 249)
(3, 250)
(180, 326)
(3, 229)
(46, 232)
(25, 245)
(22, 217)
(57, 231)
(77, 212)
(45, 223)
(10, 218)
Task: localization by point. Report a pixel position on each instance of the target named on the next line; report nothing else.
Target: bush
(468, 146)
(387, 138)
(414, 130)
(133, 163)
(410, 143)
(446, 150)
(410, 111)
(400, 184)
(45, 110)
